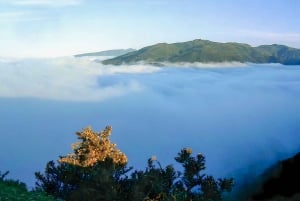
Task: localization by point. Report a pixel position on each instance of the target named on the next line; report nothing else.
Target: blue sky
(47, 28)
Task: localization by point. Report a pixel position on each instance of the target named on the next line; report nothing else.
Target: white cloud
(68, 79)
(139, 68)
(207, 65)
(46, 2)
(11, 16)
(21, 13)
(14, 16)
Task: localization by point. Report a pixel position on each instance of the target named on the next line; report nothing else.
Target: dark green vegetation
(108, 181)
(11, 190)
(85, 175)
(277, 183)
(281, 182)
(103, 175)
(117, 52)
(205, 51)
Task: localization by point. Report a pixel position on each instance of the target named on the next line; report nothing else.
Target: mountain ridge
(114, 52)
(206, 51)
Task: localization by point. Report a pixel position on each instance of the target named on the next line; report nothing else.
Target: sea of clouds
(242, 117)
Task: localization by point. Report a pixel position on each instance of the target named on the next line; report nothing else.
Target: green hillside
(205, 51)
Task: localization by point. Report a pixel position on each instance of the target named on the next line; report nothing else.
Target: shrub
(157, 183)
(13, 190)
(97, 170)
(94, 171)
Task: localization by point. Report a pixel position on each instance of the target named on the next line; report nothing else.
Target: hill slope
(116, 52)
(281, 180)
(205, 51)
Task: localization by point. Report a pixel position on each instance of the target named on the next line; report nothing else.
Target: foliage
(94, 171)
(72, 182)
(157, 183)
(11, 190)
(93, 148)
(97, 171)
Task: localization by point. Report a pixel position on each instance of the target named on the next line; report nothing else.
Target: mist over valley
(245, 115)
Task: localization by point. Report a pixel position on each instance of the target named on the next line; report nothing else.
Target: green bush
(12, 190)
(157, 183)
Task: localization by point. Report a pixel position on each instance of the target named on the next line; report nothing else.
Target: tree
(194, 184)
(166, 184)
(97, 170)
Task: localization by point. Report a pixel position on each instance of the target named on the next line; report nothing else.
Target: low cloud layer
(70, 79)
(242, 119)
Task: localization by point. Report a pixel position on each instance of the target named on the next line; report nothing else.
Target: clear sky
(43, 28)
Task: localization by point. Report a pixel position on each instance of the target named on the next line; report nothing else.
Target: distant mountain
(116, 52)
(205, 51)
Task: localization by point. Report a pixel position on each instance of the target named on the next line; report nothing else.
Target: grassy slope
(207, 51)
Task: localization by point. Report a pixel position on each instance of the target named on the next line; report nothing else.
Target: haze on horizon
(51, 28)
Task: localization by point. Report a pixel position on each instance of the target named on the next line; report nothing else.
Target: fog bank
(242, 119)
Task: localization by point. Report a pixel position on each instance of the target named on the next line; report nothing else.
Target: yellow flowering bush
(94, 147)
